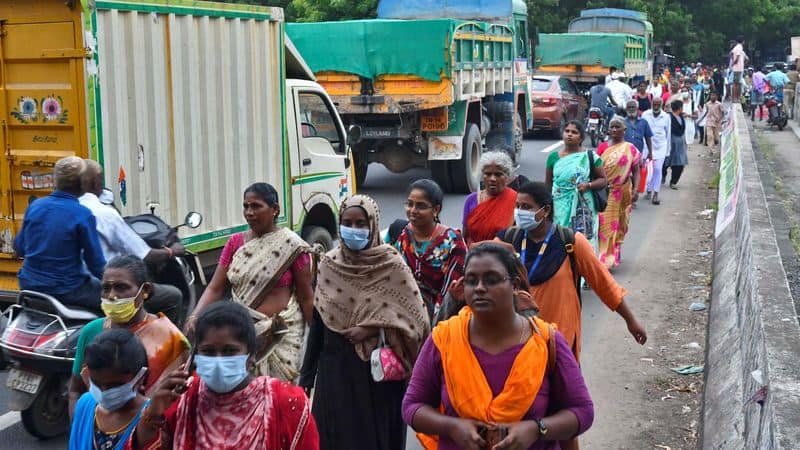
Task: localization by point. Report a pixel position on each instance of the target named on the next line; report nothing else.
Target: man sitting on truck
(118, 239)
(59, 242)
(600, 97)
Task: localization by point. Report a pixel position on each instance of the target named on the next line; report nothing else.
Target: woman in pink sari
(621, 163)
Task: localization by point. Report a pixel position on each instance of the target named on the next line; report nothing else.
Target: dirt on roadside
(639, 402)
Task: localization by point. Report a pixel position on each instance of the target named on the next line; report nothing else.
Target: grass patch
(794, 238)
(714, 183)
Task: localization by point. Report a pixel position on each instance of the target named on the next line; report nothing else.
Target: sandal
(656, 201)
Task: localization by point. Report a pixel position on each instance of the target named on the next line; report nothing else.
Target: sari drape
(254, 271)
(491, 215)
(619, 163)
(568, 172)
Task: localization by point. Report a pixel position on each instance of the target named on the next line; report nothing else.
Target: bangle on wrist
(170, 252)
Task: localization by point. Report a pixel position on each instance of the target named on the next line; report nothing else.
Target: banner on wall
(730, 173)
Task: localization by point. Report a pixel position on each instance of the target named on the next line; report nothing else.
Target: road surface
(388, 189)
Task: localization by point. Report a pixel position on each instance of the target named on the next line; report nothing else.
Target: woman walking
(225, 406)
(490, 368)
(366, 296)
(678, 158)
(491, 209)
(621, 163)
(573, 174)
(267, 269)
(434, 252)
(555, 258)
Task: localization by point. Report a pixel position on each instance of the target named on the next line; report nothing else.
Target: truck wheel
(519, 136)
(464, 172)
(558, 132)
(361, 166)
(318, 235)
(47, 417)
(440, 173)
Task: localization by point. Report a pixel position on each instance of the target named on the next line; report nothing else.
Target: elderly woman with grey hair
(491, 209)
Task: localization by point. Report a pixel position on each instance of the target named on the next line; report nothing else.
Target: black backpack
(514, 237)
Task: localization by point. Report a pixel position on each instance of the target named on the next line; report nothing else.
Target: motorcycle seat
(50, 304)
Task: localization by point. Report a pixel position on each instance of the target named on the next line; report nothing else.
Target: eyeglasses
(488, 280)
(419, 205)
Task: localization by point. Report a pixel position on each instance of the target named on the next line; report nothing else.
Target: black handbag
(600, 195)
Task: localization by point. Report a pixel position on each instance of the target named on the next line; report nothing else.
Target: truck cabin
(612, 20)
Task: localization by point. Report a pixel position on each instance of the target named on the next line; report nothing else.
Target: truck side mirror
(353, 134)
(193, 219)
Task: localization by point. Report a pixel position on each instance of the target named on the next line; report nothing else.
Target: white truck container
(184, 104)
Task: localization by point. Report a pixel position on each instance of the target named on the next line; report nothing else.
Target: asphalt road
(388, 189)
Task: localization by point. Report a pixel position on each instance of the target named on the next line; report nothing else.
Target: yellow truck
(184, 103)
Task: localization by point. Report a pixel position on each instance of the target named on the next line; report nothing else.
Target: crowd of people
(469, 334)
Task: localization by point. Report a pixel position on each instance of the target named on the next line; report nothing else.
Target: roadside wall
(752, 389)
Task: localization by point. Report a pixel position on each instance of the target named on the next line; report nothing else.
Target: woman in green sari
(572, 177)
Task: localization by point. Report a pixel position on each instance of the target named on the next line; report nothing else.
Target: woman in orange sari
(621, 163)
(492, 378)
(491, 209)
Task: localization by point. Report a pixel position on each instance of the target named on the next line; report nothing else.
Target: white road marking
(9, 419)
(552, 147)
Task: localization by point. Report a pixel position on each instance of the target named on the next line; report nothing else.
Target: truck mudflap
(443, 148)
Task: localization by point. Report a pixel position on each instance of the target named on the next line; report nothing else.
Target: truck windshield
(317, 120)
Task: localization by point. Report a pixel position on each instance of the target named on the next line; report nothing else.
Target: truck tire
(464, 172)
(361, 166)
(519, 138)
(318, 235)
(440, 173)
(47, 417)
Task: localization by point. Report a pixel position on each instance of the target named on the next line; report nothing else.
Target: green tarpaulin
(588, 49)
(370, 48)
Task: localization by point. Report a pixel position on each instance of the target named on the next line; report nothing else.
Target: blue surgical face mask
(222, 373)
(526, 219)
(354, 238)
(116, 397)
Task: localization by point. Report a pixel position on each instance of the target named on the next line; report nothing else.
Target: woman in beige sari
(267, 269)
(621, 163)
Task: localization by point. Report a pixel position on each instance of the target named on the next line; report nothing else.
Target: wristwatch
(542, 428)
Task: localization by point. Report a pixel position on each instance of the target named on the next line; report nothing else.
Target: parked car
(556, 101)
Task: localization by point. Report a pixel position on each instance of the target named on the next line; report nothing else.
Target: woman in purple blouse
(488, 368)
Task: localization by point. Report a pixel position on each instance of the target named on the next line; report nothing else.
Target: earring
(146, 296)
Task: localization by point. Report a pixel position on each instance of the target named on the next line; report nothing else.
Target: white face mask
(527, 219)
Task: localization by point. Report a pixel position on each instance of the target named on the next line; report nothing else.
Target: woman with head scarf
(366, 297)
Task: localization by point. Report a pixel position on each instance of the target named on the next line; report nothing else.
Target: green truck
(429, 83)
(598, 40)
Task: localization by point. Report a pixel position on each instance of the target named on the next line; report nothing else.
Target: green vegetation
(697, 30)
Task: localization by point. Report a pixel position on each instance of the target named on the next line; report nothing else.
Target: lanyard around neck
(538, 260)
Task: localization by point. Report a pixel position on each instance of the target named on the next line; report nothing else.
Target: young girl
(106, 415)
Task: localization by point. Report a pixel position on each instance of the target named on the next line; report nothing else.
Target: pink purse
(385, 365)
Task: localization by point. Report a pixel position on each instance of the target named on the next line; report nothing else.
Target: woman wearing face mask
(541, 246)
(267, 269)
(363, 289)
(124, 290)
(434, 252)
(621, 163)
(573, 174)
(106, 415)
(225, 406)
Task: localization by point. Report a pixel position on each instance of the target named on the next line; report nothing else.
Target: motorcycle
(40, 338)
(776, 110)
(596, 126)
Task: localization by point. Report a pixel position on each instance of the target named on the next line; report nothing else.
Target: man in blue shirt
(59, 242)
(638, 131)
(777, 80)
(600, 97)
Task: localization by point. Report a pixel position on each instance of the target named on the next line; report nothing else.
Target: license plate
(593, 121)
(23, 381)
(434, 119)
